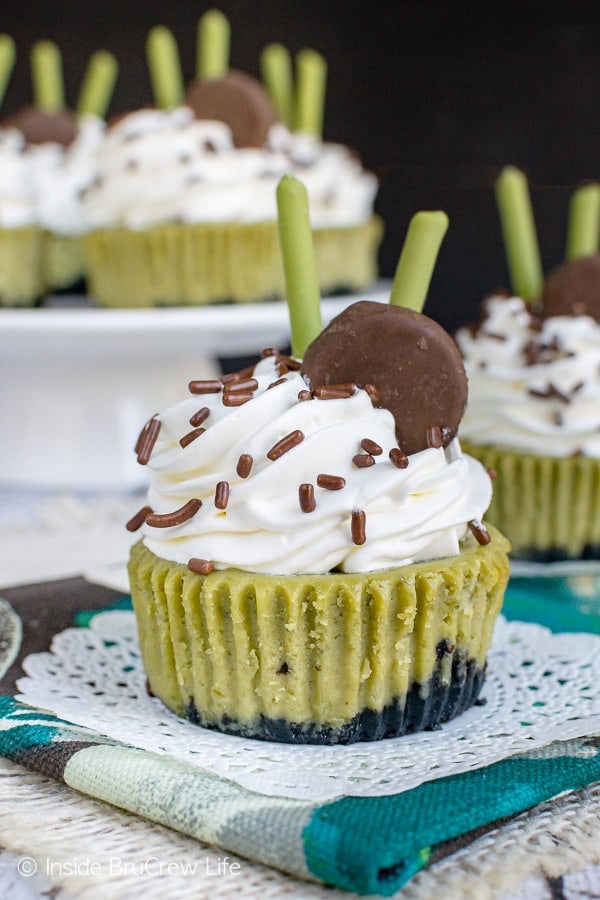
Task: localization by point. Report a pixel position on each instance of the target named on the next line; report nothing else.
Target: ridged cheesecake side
(319, 658)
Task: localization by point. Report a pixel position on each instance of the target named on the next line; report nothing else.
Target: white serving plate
(78, 382)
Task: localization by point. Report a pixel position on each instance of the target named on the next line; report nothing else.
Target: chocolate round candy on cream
(414, 364)
(40, 127)
(238, 100)
(573, 289)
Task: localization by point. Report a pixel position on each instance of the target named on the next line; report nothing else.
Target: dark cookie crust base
(402, 716)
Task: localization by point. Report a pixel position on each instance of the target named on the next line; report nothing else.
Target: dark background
(436, 96)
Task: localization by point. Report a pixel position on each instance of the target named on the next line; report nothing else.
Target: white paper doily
(540, 687)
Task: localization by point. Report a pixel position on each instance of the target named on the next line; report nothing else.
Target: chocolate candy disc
(238, 100)
(411, 360)
(573, 289)
(40, 127)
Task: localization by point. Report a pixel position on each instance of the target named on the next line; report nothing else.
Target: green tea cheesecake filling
(320, 659)
(301, 578)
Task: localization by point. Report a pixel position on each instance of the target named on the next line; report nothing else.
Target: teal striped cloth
(363, 844)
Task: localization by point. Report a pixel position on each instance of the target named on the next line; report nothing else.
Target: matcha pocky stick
(299, 264)
(165, 68)
(8, 57)
(98, 85)
(519, 233)
(212, 47)
(583, 229)
(276, 71)
(47, 77)
(311, 76)
(417, 259)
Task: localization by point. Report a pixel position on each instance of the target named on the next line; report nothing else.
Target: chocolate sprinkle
(304, 395)
(286, 443)
(141, 436)
(479, 531)
(292, 364)
(373, 393)
(244, 465)
(363, 460)
(232, 398)
(177, 517)
(200, 566)
(138, 520)
(371, 447)
(205, 387)
(241, 384)
(398, 458)
(549, 392)
(222, 495)
(331, 482)
(269, 351)
(191, 436)
(277, 383)
(147, 442)
(306, 496)
(334, 391)
(234, 377)
(359, 519)
(494, 335)
(200, 417)
(434, 436)
(491, 472)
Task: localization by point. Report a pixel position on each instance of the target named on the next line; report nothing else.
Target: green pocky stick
(417, 259)
(519, 233)
(165, 68)
(299, 264)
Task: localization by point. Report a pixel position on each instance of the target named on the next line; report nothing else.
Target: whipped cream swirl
(410, 514)
(534, 385)
(43, 184)
(159, 166)
(61, 175)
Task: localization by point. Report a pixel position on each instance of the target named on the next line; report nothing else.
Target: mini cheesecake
(320, 659)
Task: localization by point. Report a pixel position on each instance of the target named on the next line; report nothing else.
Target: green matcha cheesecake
(183, 211)
(201, 263)
(21, 281)
(314, 566)
(334, 658)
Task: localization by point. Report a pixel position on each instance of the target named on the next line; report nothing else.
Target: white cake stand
(78, 382)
